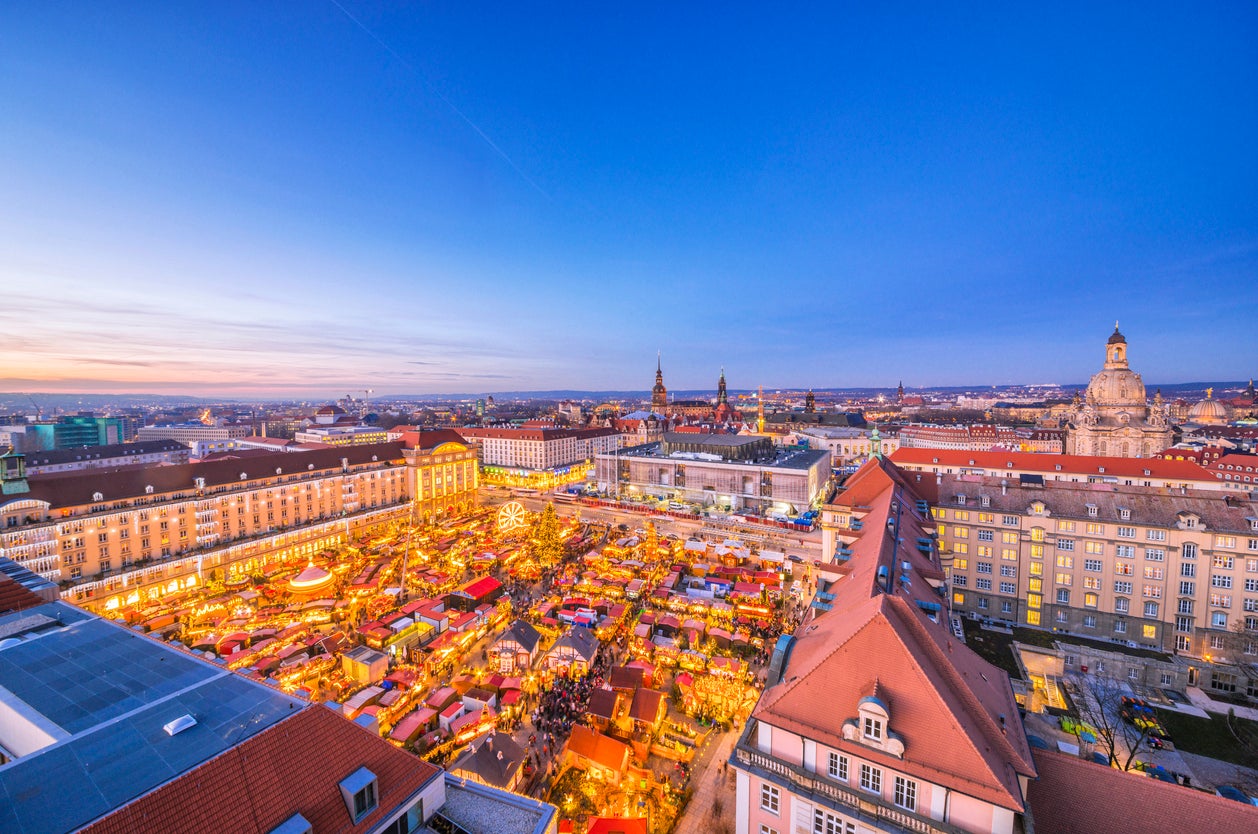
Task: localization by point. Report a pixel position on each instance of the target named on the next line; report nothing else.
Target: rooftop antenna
(367, 400)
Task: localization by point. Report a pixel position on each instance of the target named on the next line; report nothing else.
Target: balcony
(870, 810)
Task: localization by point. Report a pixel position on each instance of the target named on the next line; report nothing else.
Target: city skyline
(278, 203)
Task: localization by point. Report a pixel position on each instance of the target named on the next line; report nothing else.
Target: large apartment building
(539, 449)
(1168, 569)
(111, 534)
(190, 433)
(874, 716)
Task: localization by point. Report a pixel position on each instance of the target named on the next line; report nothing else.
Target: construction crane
(39, 412)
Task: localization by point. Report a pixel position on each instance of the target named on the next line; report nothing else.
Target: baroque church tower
(1115, 418)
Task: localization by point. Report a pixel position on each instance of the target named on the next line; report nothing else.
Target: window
(1067, 562)
(1093, 565)
(1126, 532)
(982, 604)
(1009, 520)
(838, 767)
(1183, 644)
(1011, 555)
(1187, 589)
(1133, 674)
(1153, 572)
(984, 567)
(871, 778)
(1065, 526)
(1155, 554)
(1120, 627)
(1089, 621)
(1124, 569)
(1153, 591)
(1218, 619)
(1009, 537)
(1037, 568)
(1122, 587)
(961, 581)
(1188, 570)
(1216, 641)
(1223, 561)
(1151, 610)
(1033, 618)
(1220, 580)
(1063, 596)
(986, 535)
(1149, 632)
(1155, 535)
(983, 584)
(359, 792)
(1066, 544)
(1009, 570)
(873, 728)
(1124, 551)
(1061, 617)
(824, 822)
(1006, 607)
(770, 799)
(1089, 600)
(1094, 548)
(905, 793)
(1189, 551)
(764, 829)
(1008, 588)
(1122, 605)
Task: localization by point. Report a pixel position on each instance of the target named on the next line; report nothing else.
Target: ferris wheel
(511, 516)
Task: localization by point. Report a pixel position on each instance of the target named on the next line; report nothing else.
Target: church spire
(721, 396)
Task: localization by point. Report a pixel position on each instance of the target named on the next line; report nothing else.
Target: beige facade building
(190, 433)
(1170, 570)
(539, 448)
(445, 477)
(111, 535)
(1115, 418)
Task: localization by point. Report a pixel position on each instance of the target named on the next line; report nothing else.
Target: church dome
(1209, 412)
(1116, 388)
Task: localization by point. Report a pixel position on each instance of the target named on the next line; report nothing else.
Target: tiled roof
(534, 434)
(53, 457)
(1180, 471)
(1154, 506)
(77, 488)
(1074, 796)
(292, 767)
(944, 701)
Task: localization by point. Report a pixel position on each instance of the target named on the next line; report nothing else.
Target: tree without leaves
(1098, 698)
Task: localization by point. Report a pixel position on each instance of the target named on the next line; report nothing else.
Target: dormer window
(1092, 510)
(359, 792)
(986, 500)
(1124, 514)
(871, 727)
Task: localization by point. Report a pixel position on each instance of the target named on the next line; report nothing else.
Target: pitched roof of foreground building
(1074, 796)
(954, 712)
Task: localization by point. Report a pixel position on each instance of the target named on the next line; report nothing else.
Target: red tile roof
(944, 701)
(1074, 796)
(1179, 471)
(293, 767)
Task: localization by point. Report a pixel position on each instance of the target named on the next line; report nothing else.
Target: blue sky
(310, 198)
